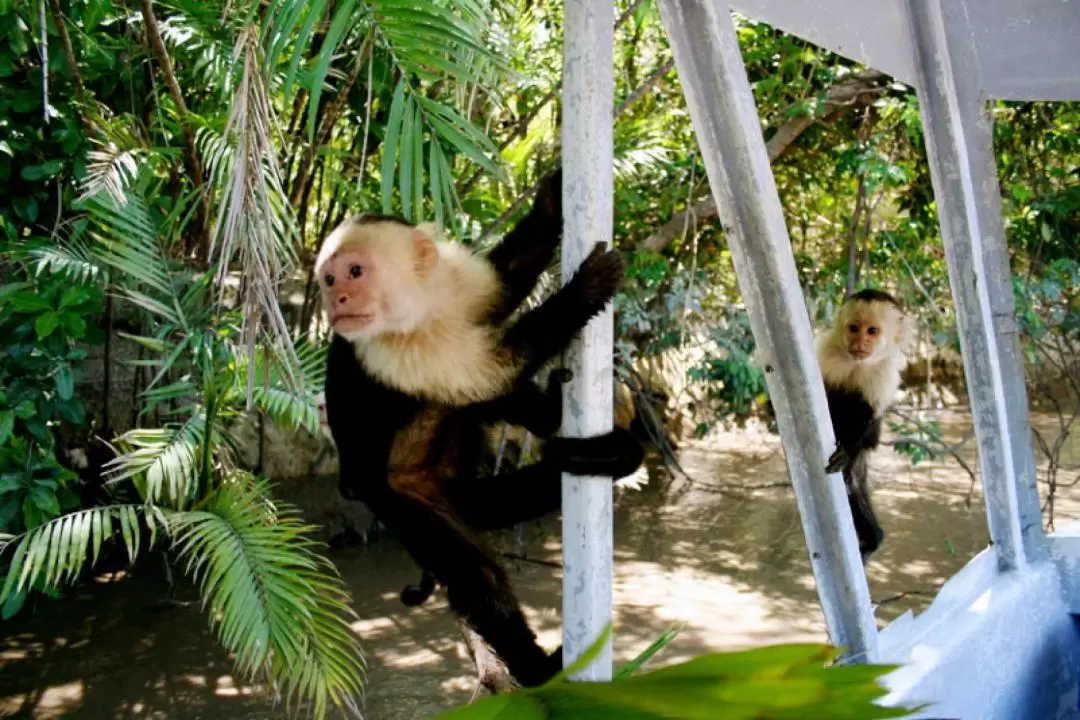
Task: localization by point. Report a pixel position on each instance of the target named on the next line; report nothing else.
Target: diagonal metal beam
(728, 130)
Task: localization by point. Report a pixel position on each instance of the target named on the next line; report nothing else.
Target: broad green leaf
(36, 173)
(390, 149)
(7, 424)
(342, 19)
(65, 382)
(46, 323)
(514, 706)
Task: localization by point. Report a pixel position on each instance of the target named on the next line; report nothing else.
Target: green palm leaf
(126, 240)
(56, 551)
(275, 604)
(162, 461)
(73, 258)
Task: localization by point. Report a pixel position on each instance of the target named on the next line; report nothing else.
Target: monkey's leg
(867, 527)
(476, 586)
(527, 250)
(545, 331)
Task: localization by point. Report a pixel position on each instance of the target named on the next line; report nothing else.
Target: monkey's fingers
(601, 274)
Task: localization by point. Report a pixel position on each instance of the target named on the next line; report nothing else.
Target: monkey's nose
(342, 299)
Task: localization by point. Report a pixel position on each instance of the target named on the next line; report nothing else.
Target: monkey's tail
(616, 454)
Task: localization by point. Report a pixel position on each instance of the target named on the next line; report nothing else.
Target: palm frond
(274, 602)
(113, 166)
(431, 41)
(127, 241)
(255, 222)
(57, 551)
(73, 258)
(163, 462)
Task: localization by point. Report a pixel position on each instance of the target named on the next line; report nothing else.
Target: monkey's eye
(356, 271)
(871, 330)
(853, 328)
(329, 280)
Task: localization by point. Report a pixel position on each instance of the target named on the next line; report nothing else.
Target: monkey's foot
(837, 461)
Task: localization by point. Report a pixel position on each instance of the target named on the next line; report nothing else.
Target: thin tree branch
(848, 92)
(202, 216)
(73, 66)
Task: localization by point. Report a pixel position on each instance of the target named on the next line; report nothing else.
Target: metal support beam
(726, 122)
(978, 126)
(975, 258)
(588, 208)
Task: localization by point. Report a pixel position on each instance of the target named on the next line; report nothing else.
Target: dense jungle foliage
(171, 166)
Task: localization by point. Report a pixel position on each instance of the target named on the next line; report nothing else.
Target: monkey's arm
(545, 331)
(527, 250)
(538, 411)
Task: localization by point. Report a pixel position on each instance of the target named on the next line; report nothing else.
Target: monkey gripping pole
(726, 123)
(588, 206)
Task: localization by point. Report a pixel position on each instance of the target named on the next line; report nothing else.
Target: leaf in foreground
(782, 681)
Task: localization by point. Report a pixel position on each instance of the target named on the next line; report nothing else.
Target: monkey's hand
(549, 412)
(599, 276)
(559, 376)
(837, 461)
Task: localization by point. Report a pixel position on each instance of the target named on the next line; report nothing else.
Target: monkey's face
(870, 329)
(351, 293)
(372, 284)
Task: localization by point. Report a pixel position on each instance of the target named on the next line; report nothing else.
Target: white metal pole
(588, 207)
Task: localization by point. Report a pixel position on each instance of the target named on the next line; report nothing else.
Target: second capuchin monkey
(861, 357)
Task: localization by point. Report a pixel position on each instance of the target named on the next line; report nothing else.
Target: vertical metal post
(588, 208)
(726, 122)
(955, 176)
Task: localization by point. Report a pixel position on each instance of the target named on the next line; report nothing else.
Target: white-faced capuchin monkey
(422, 360)
(861, 357)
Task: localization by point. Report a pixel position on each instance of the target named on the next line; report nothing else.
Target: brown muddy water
(728, 563)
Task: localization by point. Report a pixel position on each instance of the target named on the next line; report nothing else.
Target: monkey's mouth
(860, 354)
(353, 319)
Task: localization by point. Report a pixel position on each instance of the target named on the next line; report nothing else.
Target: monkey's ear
(424, 250)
